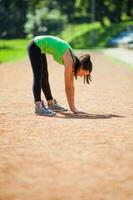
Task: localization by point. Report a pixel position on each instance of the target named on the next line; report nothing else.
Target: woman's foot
(54, 106)
(40, 109)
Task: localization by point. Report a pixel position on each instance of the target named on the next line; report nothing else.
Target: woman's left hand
(76, 111)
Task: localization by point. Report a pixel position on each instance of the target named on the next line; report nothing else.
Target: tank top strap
(73, 55)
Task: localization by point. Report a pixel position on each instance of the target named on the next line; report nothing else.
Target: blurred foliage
(19, 18)
(12, 18)
(42, 21)
(96, 35)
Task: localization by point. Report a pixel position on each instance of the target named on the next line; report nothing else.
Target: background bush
(44, 21)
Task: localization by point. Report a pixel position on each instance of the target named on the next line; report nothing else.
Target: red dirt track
(67, 157)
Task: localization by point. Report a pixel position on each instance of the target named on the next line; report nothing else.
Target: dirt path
(121, 54)
(67, 157)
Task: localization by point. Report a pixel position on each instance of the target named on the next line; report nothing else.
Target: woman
(63, 54)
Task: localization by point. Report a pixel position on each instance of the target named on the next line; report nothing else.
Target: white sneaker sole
(46, 115)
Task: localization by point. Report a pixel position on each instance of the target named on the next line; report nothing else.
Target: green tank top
(53, 46)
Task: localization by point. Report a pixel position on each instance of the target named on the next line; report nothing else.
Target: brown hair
(83, 61)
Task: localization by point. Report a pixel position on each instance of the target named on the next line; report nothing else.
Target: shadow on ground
(88, 116)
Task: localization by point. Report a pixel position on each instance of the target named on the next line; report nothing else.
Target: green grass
(92, 36)
(12, 50)
(72, 31)
(80, 36)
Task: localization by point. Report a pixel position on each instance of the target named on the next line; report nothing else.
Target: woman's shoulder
(68, 58)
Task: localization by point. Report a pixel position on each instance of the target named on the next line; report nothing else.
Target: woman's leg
(52, 103)
(45, 79)
(36, 63)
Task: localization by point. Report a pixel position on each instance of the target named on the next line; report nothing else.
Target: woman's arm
(69, 79)
(69, 82)
(69, 88)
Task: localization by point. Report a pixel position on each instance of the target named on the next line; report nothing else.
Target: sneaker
(41, 109)
(56, 107)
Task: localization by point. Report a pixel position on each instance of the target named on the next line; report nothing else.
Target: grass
(12, 50)
(72, 31)
(92, 36)
(80, 36)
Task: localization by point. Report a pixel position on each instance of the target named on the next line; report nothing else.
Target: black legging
(40, 72)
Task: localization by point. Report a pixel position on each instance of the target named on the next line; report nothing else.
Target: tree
(13, 14)
(44, 20)
(113, 10)
(12, 18)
